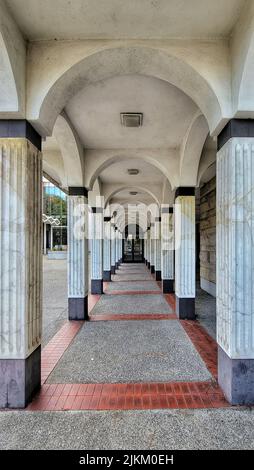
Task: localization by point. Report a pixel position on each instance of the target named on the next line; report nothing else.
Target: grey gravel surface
(55, 297)
(130, 351)
(206, 311)
(134, 430)
(128, 304)
(133, 286)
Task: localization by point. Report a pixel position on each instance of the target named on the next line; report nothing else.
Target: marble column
(117, 247)
(20, 263)
(152, 251)
(185, 256)
(167, 250)
(113, 249)
(157, 248)
(78, 254)
(97, 251)
(145, 247)
(235, 261)
(148, 247)
(107, 250)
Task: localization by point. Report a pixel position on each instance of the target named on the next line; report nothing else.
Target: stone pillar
(20, 263)
(113, 249)
(78, 254)
(148, 247)
(107, 250)
(145, 247)
(120, 248)
(185, 257)
(235, 261)
(117, 247)
(157, 248)
(97, 250)
(167, 250)
(152, 260)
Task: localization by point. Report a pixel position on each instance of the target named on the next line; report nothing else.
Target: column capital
(20, 128)
(107, 219)
(185, 191)
(235, 128)
(77, 191)
(97, 210)
(167, 210)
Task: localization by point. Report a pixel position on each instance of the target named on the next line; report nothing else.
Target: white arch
(109, 195)
(97, 161)
(71, 150)
(50, 92)
(191, 150)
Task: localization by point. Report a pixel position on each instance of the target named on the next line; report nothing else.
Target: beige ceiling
(95, 113)
(73, 19)
(118, 173)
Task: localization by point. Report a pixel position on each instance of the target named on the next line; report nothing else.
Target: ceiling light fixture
(132, 119)
(133, 171)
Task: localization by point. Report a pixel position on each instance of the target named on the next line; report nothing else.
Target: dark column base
(113, 270)
(236, 378)
(20, 380)
(167, 286)
(116, 266)
(185, 308)
(120, 261)
(158, 275)
(152, 269)
(107, 276)
(146, 262)
(96, 286)
(148, 265)
(78, 308)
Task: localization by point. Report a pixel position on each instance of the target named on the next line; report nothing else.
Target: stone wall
(208, 237)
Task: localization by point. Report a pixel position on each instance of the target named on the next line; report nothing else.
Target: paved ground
(129, 304)
(130, 351)
(54, 297)
(163, 429)
(134, 286)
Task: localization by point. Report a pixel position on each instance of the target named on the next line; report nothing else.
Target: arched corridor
(127, 182)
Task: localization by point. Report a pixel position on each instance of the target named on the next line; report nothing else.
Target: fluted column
(148, 247)
(157, 248)
(152, 257)
(117, 247)
(235, 262)
(77, 254)
(97, 250)
(107, 250)
(113, 248)
(145, 247)
(20, 264)
(167, 250)
(185, 256)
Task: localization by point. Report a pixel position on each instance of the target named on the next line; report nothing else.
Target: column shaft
(107, 250)
(21, 271)
(235, 268)
(152, 260)
(113, 249)
(185, 260)
(77, 254)
(167, 251)
(97, 251)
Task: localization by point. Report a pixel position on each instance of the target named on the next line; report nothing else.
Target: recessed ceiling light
(133, 193)
(132, 119)
(133, 171)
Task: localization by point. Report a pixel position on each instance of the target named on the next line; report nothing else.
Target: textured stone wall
(208, 237)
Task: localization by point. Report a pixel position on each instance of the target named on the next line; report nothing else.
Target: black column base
(20, 380)
(78, 308)
(185, 308)
(158, 275)
(113, 270)
(146, 262)
(167, 286)
(116, 266)
(96, 286)
(107, 276)
(152, 269)
(236, 378)
(148, 265)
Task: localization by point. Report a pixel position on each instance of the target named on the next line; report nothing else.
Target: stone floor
(126, 350)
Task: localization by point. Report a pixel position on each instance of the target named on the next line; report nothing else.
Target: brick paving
(129, 396)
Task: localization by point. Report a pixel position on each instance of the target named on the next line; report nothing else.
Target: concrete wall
(208, 237)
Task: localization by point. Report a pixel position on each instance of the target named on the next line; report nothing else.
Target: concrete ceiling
(95, 113)
(118, 173)
(147, 19)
